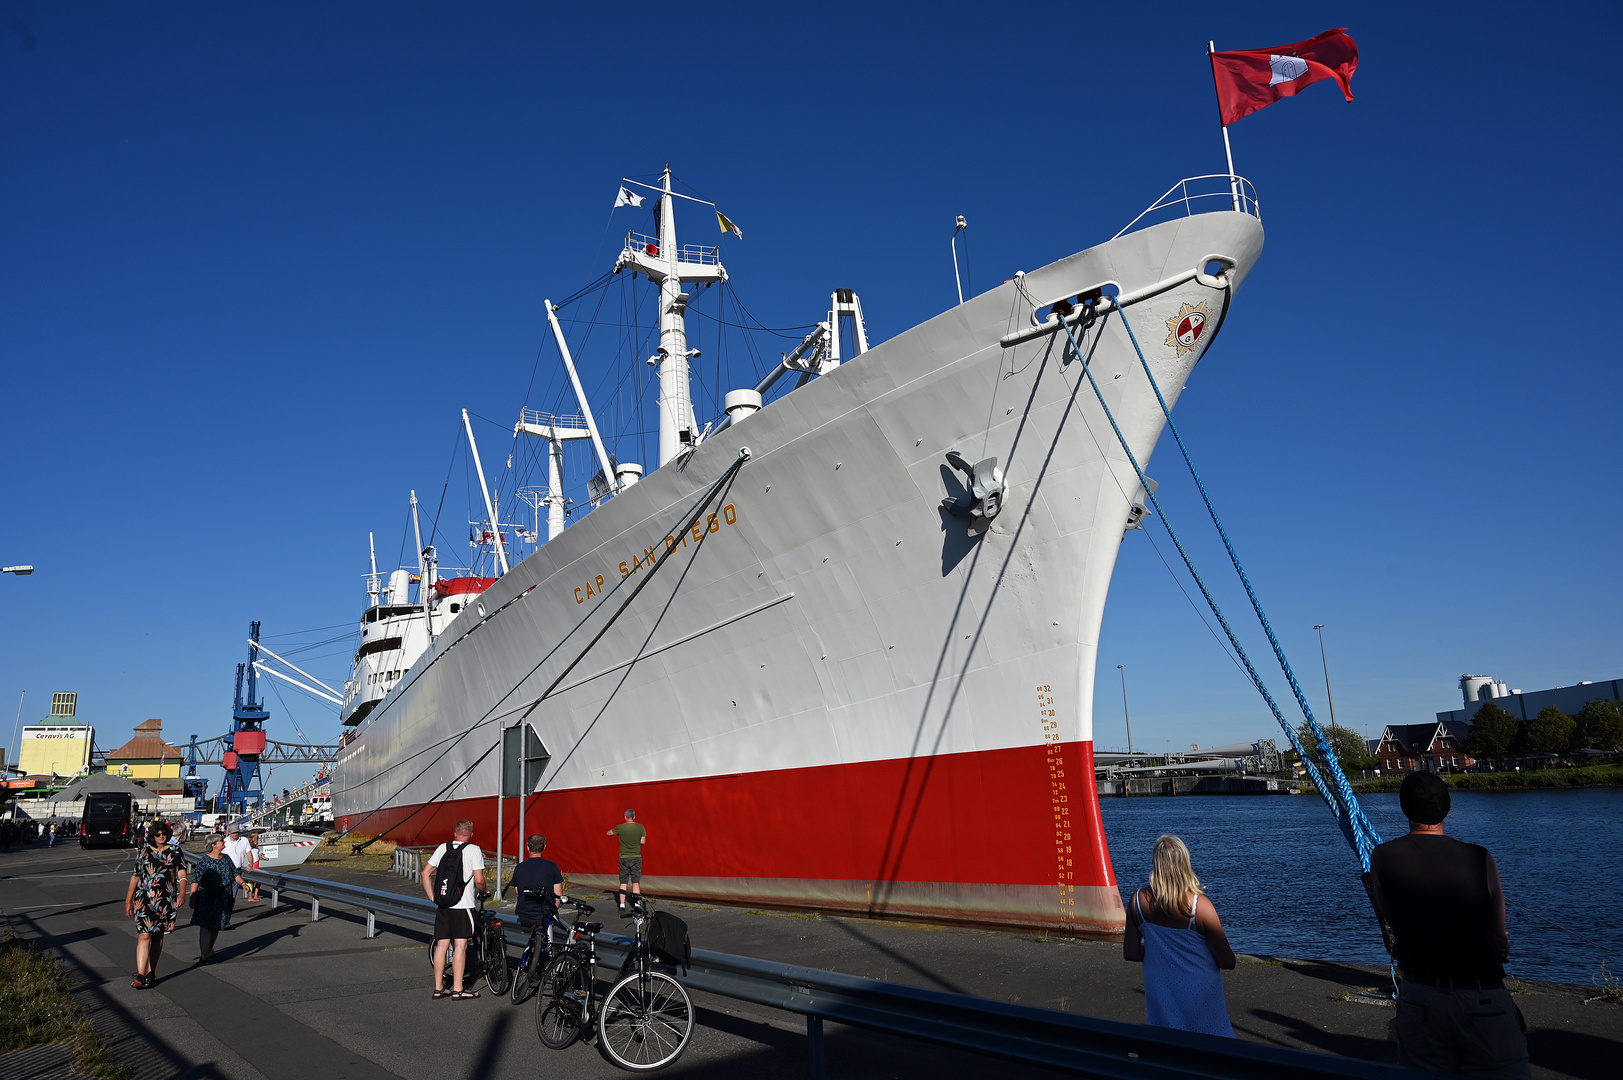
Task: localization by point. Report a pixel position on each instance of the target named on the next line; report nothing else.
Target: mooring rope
(1343, 818)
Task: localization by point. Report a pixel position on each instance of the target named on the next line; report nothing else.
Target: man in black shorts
(1444, 911)
(454, 924)
(539, 883)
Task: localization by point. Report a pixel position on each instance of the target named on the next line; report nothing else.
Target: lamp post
(20, 571)
(1326, 661)
(1125, 714)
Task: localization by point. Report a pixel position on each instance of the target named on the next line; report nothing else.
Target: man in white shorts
(455, 923)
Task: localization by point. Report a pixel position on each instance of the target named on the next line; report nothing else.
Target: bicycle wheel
(528, 975)
(560, 1009)
(645, 1022)
(498, 976)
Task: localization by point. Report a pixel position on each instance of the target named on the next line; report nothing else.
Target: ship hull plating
(834, 694)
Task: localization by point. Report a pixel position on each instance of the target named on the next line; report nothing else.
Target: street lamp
(1326, 661)
(20, 571)
(1125, 714)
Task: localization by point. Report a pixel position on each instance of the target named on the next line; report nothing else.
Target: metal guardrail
(1084, 1045)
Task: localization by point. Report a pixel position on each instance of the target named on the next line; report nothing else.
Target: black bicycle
(548, 938)
(486, 954)
(643, 1022)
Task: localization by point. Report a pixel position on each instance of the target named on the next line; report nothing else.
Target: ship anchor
(985, 496)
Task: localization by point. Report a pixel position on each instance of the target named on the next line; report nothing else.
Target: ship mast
(675, 397)
(672, 267)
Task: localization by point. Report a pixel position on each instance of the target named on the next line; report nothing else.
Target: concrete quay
(292, 998)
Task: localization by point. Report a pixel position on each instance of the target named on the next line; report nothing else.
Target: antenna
(962, 225)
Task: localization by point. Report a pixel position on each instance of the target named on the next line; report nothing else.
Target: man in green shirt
(632, 838)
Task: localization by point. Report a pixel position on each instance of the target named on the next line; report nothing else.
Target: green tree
(1551, 731)
(1493, 734)
(1349, 747)
(1600, 725)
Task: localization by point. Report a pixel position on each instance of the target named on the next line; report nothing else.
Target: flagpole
(1234, 185)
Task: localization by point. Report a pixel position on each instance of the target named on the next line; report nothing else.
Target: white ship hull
(832, 694)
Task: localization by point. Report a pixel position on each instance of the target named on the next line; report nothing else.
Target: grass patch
(809, 916)
(1611, 990)
(1528, 779)
(1247, 959)
(35, 1009)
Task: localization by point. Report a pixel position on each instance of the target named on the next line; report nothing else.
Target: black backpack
(668, 940)
(449, 883)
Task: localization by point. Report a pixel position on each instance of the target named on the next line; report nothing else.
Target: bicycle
(544, 944)
(645, 1020)
(486, 952)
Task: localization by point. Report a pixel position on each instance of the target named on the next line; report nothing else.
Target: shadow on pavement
(901, 959)
(1575, 1053)
(1310, 1035)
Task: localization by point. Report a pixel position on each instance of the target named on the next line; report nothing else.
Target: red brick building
(1431, 747)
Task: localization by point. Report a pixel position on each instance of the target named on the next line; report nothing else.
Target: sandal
(463, 994)
(140, 983)
(441, 994)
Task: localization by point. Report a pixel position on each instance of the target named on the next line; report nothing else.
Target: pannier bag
(668, 940)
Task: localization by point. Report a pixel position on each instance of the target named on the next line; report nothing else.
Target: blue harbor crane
(246, 741)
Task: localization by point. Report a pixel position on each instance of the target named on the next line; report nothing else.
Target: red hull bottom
(996, 838)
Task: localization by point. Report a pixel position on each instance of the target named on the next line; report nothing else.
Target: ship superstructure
(837, 650)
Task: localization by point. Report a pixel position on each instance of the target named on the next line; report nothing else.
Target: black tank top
(1435, 892)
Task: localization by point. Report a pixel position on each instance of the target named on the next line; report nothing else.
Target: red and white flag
(1253, 79)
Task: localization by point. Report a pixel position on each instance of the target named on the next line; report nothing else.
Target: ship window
(386, 644)
(455, 608)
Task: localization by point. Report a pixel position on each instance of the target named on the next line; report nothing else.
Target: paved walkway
(295, 998)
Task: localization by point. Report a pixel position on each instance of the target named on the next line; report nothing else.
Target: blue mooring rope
(1339, 796)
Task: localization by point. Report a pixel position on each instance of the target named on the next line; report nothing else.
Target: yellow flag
(727, 225)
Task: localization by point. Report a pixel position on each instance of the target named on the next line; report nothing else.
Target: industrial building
(1525, 705)
(60, 744)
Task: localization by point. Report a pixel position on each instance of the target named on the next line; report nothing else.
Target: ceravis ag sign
(63, 749)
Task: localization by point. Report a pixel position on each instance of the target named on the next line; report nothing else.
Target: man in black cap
(1440, 902)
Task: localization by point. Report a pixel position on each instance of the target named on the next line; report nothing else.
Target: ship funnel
(741, 403)
(399, 587)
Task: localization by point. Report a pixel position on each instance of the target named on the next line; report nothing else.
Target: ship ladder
(1336, 791)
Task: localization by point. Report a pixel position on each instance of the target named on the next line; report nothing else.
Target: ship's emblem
(1186, 327)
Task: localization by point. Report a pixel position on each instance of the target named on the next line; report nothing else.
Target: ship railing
(688, 253)
(1066, 1042)
(1200, 195)
(536, 418)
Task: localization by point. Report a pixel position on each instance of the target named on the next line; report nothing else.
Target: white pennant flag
(627, 198)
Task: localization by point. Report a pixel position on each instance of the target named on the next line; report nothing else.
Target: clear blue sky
(255, 258)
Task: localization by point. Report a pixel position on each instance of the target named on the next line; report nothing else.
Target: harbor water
(1287, 884)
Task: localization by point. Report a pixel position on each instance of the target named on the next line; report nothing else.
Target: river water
(1286, 883)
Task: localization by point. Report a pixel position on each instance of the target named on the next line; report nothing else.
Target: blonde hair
(1172, 879)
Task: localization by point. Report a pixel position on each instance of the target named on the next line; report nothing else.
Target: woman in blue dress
(1173, 929)
(210, 900)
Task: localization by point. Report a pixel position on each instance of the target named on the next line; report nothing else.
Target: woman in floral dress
(211, 896)
(155, 888)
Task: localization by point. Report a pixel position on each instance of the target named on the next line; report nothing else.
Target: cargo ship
(837, 649)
